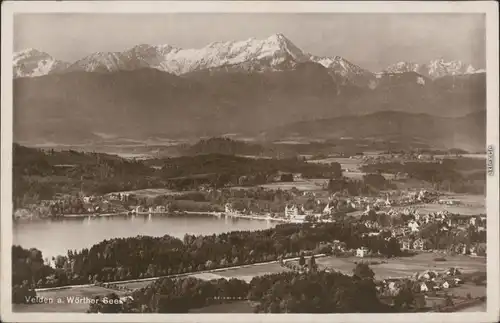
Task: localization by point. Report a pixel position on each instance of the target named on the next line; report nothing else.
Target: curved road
(172, 276)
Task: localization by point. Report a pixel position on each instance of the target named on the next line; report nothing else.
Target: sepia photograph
(244, 158)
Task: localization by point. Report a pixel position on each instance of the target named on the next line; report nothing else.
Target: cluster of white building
(424, 282)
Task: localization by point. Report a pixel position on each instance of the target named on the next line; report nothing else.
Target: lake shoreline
(174, 213)
(76, 233)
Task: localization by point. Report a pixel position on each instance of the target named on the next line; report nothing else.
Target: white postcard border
(489, 8)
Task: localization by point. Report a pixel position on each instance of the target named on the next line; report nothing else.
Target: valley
(247, 176)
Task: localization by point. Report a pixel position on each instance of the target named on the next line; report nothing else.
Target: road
(172, 276)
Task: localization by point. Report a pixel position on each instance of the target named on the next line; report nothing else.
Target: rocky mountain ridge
(275, 53)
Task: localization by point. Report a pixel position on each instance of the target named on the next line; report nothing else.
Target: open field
(431, 302)
(77, 294)
(407, 266)
(477, 156)
(412, 184)
(468, 199)
(135, 285)
(152, 192)
(207, 276)
(301, 185)
(464, 263)
(478, 308)
(373, 153)
(471, 205)
(455, 209)
(190, 205)
(346, 163)
(356, 175)
(133, 155)
(248, 272)
(232, 307)
(469, 288)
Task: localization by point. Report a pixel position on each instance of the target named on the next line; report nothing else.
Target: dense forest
(226, 146)
(442, 239)
(40, 174)
(289, 292)
(283, 148)
(464, 175)
(143, 256)
(370, 184)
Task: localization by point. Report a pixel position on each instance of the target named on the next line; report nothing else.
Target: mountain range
(249, 87)
(273, 53)
(435, 68)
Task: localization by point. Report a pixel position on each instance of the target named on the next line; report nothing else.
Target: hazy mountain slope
(140, 102)
(224, 146)
(410, 92)
(467, 131)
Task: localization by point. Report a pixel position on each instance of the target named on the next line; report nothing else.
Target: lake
(55, 237)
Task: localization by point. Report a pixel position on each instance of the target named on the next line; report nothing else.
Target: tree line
(39, 174)
(144, 256)
(463, 175)
(288, 292)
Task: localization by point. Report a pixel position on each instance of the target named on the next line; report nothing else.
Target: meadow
(405, 266)
(151, 192)
(469, 288)
(478, 308)
(301, 185)
(231, 307)
(346, 163)
(470, 205)
(248, 272)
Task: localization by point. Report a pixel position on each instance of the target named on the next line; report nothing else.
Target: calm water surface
(55, 237)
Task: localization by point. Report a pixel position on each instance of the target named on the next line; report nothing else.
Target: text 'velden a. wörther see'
(70, 300)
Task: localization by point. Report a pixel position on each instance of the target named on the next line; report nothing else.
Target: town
(400, 219)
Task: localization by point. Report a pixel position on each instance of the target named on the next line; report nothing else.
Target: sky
(372, 41)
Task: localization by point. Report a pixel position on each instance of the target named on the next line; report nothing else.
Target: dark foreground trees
(362, 271)
(289, 292)
(22, 294)
(27, 269)
(110, 303)
(143, 256)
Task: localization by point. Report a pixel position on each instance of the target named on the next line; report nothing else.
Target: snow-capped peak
(402, 67)
(100, 62)
(284, 43)
(433, 69)
(271, 52)
(31, 62)
(274, 50)
(440, 67)
(344, 71)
